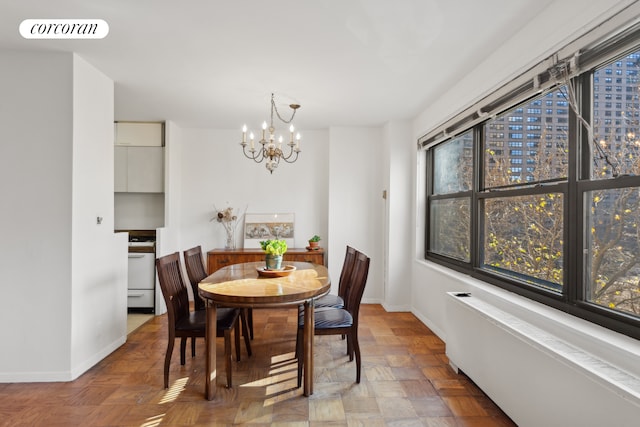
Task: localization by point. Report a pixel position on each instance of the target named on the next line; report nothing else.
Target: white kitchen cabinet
(139, 169)
(120, 169)
(139, 134)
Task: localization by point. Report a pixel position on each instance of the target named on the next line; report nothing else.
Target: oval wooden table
(240, 285)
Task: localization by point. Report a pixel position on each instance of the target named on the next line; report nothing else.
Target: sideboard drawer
(218, 262)
(312, 257)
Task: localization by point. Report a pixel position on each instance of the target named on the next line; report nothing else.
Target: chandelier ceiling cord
(270, 150)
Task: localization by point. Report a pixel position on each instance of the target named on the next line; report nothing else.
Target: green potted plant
(313, 243)
(274, 250)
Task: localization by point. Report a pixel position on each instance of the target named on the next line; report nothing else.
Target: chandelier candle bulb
(244, 133)
(251, 140)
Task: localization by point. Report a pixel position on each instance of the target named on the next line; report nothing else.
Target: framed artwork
(259, 227)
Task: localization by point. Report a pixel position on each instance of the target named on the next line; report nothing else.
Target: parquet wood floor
(406, 381)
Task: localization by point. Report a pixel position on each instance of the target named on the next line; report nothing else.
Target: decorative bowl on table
(284, 271)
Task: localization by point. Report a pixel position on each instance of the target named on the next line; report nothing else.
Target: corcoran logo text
(64, 29)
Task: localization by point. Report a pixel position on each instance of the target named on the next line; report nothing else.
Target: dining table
(251, 285)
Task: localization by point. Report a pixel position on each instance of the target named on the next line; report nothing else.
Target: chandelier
(270, 150)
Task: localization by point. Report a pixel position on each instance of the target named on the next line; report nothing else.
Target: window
(450, 208)
(518, 216)
(523, 239)
(611, 269)
(522, 236)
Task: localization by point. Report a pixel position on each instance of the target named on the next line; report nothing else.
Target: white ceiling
(214, 63)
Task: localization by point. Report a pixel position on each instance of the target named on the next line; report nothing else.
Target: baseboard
(61, 376)
(97, 357)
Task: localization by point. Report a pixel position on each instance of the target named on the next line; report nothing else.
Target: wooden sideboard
(218, 258)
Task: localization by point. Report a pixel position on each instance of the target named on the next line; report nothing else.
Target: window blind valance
(615, 36)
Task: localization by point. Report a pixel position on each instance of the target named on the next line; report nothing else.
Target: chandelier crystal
(270, 150)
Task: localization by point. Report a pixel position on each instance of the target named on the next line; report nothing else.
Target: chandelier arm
(286, 159)
(258, 158)
(293, 150)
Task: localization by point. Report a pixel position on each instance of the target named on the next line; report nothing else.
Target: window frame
(574, 296)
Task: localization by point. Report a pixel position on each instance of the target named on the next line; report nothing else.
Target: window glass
(449, 228)
(453, 163)
(616, 150)
(550, 162)
(612, 270)
(523, 238)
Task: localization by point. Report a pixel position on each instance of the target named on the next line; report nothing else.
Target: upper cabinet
(140, 134)
(139, 169)
(139, 158)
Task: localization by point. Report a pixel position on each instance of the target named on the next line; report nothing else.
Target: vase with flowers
(229, 219)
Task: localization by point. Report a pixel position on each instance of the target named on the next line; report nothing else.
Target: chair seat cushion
(329, 300)
(328, 318)
(197, 320)
(226, 317)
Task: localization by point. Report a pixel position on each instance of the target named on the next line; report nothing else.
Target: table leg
(210, 338)
(307, 350)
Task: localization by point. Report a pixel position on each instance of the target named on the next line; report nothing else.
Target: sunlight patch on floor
(135, 320)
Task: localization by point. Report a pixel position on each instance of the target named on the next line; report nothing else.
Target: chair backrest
(196, 272)
(173, 287)
(345, 274)
(358, 282)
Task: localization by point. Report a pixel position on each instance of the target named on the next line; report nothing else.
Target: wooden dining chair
(337, 301)
(194, 262)
(333, 300)
(184, 323)
(340, 321)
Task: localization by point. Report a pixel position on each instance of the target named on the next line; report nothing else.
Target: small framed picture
(259, 227)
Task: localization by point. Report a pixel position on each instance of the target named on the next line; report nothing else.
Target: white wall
(215, 172)
(139, 211)
(356, 207)
(168, 238)
(334, 190)
(98, 257)
(559, 24)
(60, 309)
(398, 149)
(35, 225)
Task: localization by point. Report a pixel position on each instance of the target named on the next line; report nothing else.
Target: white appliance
(142, 279)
